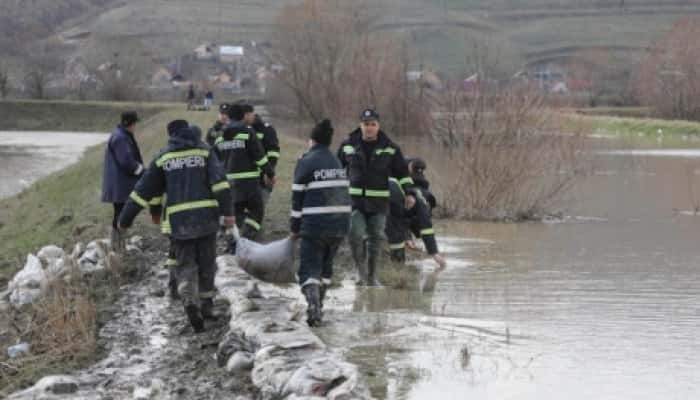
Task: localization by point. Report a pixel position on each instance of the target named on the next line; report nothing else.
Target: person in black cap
(370, 158)
(320, 216)
(416, 168)
(221, 123)
(123, 166)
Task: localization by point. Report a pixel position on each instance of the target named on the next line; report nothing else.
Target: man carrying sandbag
(320, 216)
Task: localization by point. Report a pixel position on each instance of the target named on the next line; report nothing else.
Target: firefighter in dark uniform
(409, 212)
(320, 216)
(416, 169)
(370, 158)
(221, 123)
(243, 157)
(158, 210)
(267, 135)
(189, 174)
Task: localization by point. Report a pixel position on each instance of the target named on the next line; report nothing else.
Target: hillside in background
(441, 31)
(22, 21)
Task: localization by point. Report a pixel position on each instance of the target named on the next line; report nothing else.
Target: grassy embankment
(65, 208)
(639, 130)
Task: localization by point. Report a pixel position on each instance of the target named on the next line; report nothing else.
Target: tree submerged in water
(502, 156)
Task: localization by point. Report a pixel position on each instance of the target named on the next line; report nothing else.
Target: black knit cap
(418, 163)
(176, 125)
(248, 108)
(129, 117)
(323, 133)
(236, 112)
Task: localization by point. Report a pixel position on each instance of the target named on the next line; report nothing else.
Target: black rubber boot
(313, 301)
(195, 317)
(172, 288)
(208, 309)
(372, 272)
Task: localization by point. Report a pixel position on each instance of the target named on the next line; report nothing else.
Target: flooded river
(601, 304)
(28, 156)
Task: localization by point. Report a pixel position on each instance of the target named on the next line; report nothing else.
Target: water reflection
(600, 303)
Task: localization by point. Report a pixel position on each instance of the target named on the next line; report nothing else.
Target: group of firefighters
(197, 187)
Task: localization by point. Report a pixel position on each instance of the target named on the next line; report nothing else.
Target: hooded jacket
(196, 190)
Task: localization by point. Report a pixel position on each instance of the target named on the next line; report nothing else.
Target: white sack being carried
(272, 262)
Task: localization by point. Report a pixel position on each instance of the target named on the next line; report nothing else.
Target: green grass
(623, 126)
(70, 115)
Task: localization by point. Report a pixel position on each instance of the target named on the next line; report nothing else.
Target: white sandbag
(272, 262)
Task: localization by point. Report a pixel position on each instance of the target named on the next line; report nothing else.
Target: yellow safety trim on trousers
(220, 186)
(170, 262)
(185, 153)
(273, 154)
(252, 223)
(429, 231)
(241, 136)
(388, 150)
(165, 228)
(260, 135)
(156, 201)
(243, 175)
(138, 199)
(207, 295)
(192, 205)
(398, 184)
(406, 181)
(368, 192)
(347, 149)
(376, 193)
(262, 161)
(397, 246)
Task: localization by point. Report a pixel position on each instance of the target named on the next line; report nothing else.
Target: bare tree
(500, 153)
(335, 63)
(667, 80)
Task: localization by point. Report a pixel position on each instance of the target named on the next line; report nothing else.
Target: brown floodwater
(27, 156)
(603, 303)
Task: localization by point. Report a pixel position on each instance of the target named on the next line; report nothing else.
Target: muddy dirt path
(152, 352)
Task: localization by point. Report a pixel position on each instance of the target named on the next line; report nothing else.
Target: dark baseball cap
(129, 117)
(223, 108)
(369, 115)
